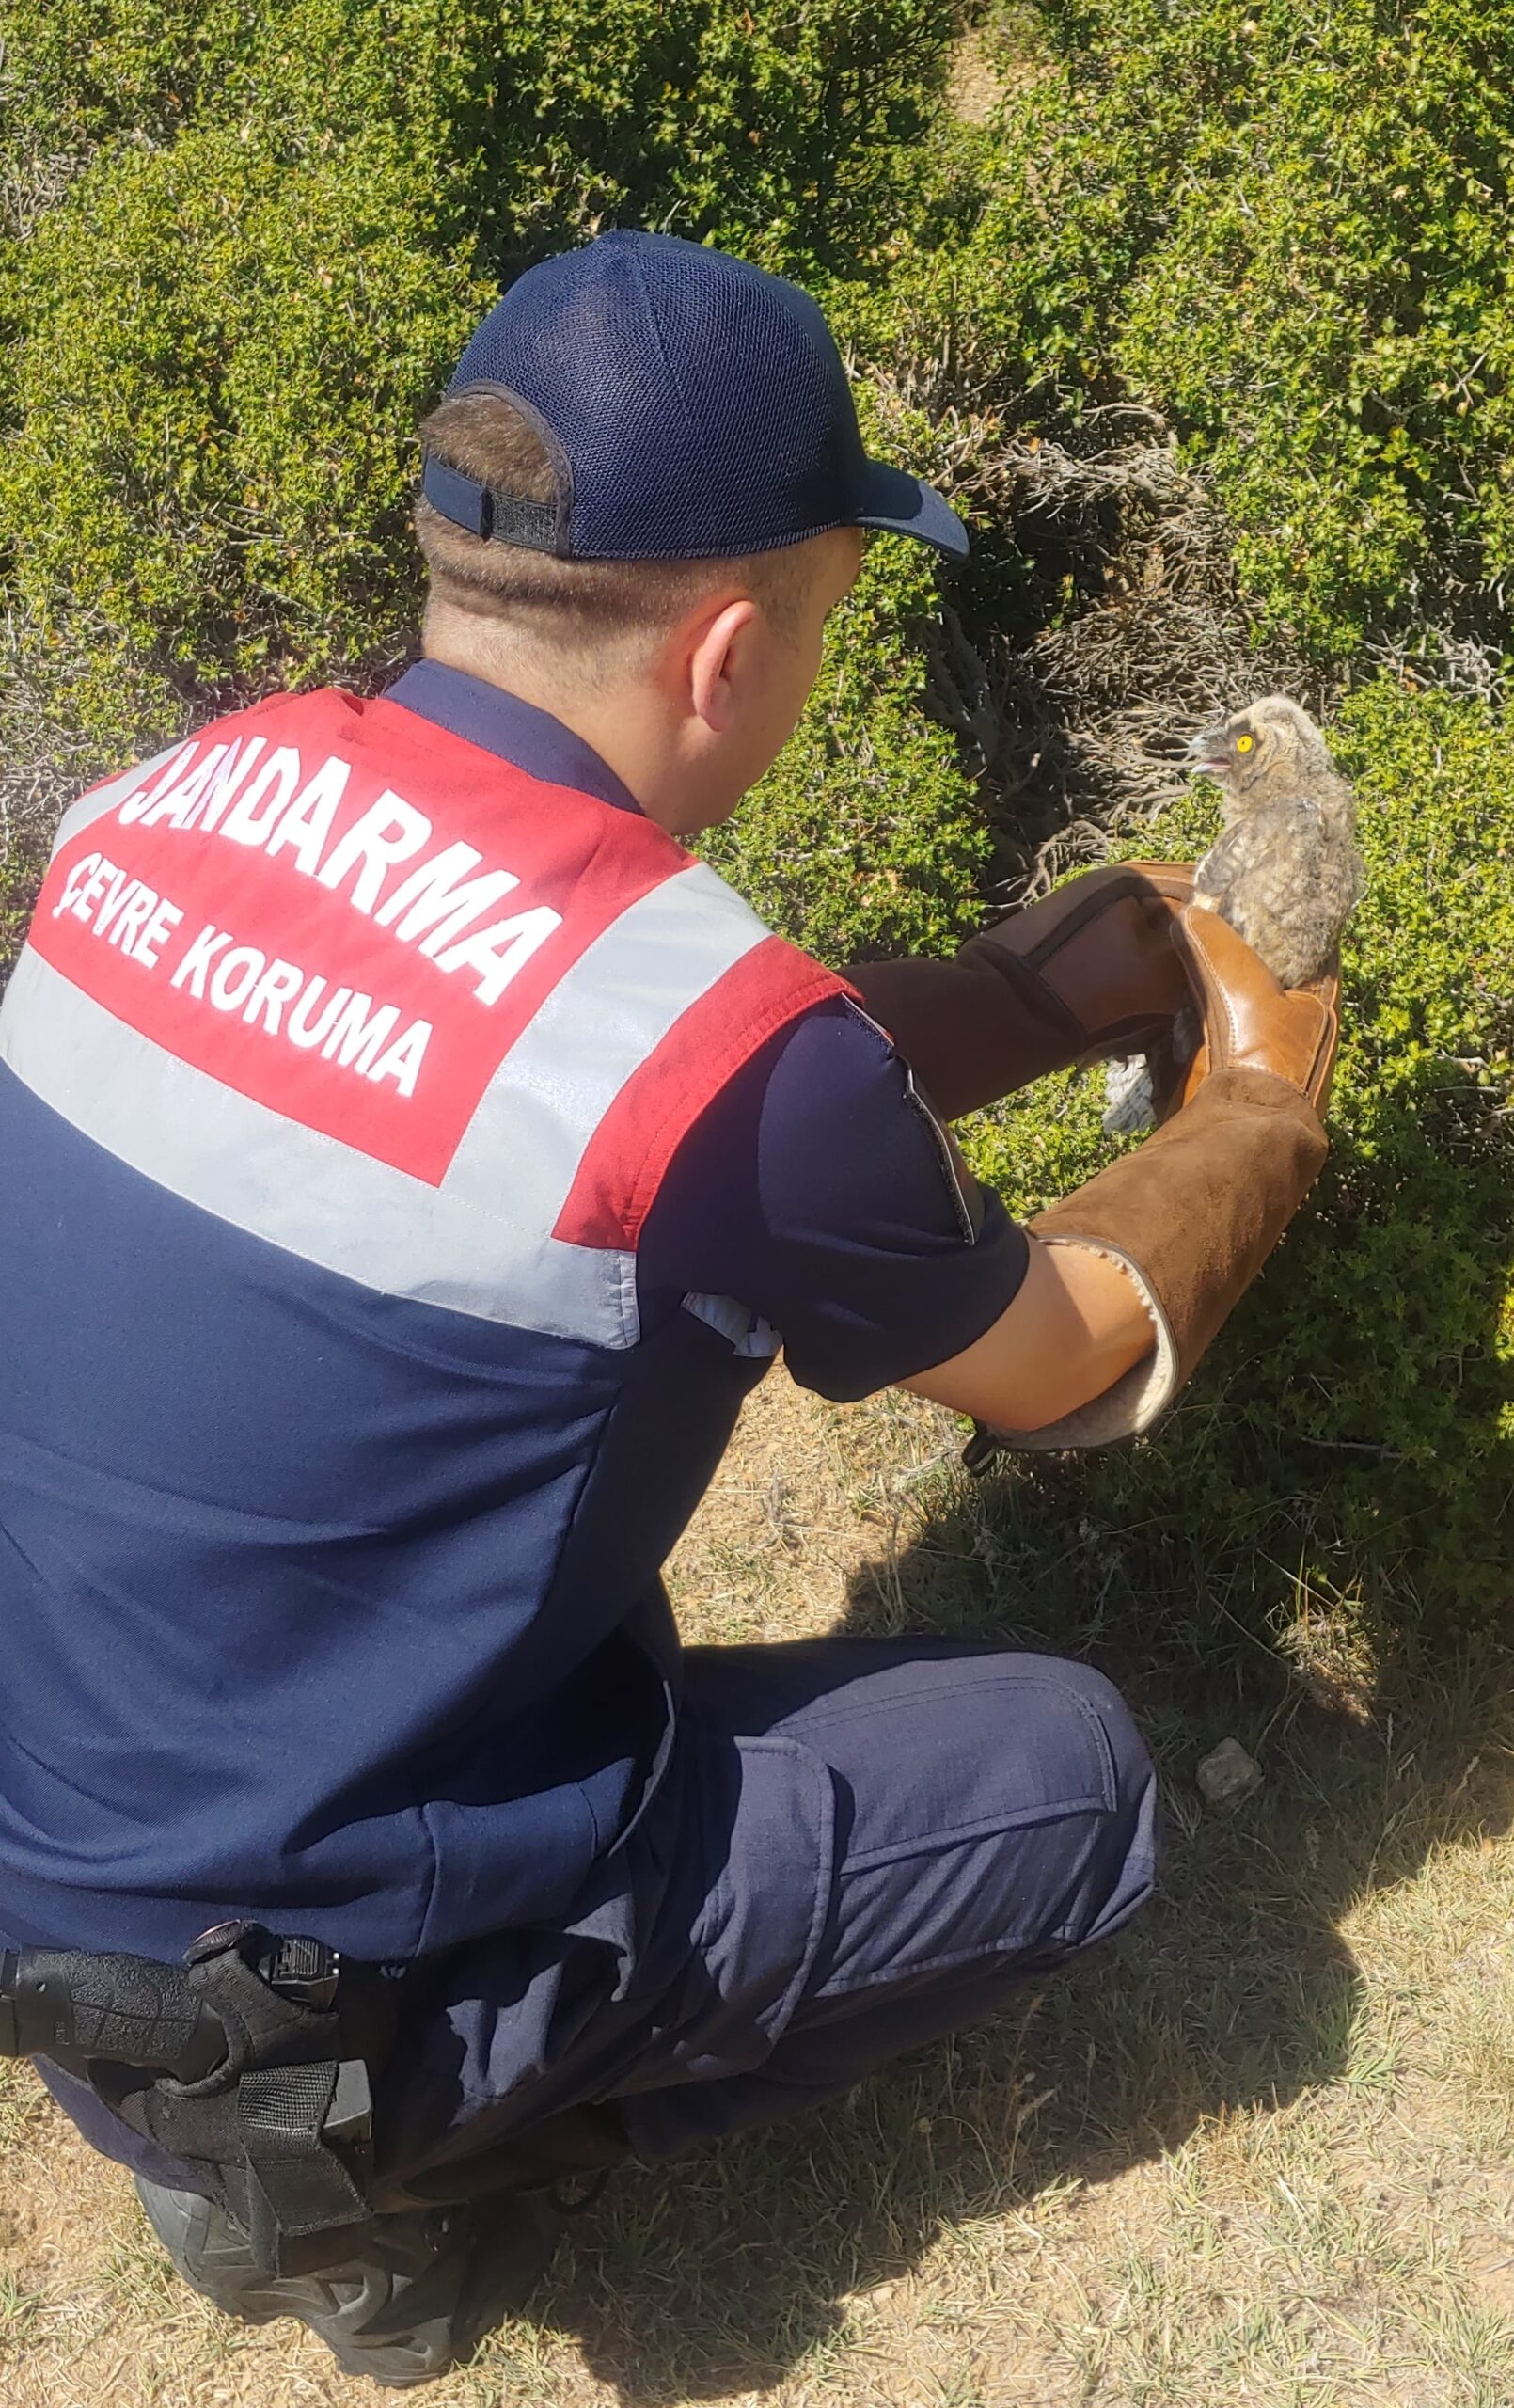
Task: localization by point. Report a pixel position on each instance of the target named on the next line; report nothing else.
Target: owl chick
(1285, 872)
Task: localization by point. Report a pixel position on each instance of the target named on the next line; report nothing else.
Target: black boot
(431, 2283)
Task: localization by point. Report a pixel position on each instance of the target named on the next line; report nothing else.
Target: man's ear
(714, 659)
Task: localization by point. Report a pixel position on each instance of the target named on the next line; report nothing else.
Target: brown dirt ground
(1001, 2225)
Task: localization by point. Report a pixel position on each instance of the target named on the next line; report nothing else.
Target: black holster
(280, 2131)
(254, 2065)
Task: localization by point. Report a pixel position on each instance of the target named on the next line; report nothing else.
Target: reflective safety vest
(342, 1066)
(379, 997)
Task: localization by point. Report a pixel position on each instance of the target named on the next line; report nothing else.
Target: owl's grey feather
(1284, 870)
(1285, 883)
(1130, 1100)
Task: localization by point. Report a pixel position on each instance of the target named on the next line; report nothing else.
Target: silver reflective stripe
(598, 1024)
(293, 1186)
(110, 797)
(481, 1243)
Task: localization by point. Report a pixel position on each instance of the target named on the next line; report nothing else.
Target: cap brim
(900, 504)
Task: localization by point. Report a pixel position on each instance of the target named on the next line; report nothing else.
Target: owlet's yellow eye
(1244, 743)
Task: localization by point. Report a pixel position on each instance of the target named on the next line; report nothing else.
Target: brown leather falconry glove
(1185, 1077)
(1195, 1211)
(1087, 971)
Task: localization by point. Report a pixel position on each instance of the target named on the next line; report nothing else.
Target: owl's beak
(1208, 750)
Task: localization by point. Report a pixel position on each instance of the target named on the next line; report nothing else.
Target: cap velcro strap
(533, 524)
(499, 517)
(461, 499)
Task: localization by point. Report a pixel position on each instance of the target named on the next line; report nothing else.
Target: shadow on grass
(1234, 1990)
(1383, 1740)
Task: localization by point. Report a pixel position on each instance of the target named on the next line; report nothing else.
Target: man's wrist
(1143, 1364)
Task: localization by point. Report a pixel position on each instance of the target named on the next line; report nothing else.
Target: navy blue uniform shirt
(344, 1610)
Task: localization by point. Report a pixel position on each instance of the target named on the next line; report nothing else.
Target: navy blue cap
(693, 407)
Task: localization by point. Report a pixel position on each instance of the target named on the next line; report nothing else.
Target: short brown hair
(573, 603)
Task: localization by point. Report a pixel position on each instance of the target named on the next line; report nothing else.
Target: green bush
(1356, 1420)
(795, 135)
(211, 464)
(245, 244)
(869, 837)
(1289, 229)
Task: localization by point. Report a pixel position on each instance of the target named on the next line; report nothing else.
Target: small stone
(1228, 1776)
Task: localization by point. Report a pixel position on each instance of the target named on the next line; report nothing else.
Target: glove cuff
(1136, 1402)
(1192, 1216)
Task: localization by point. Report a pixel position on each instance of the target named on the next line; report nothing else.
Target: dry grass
(1259, 2154)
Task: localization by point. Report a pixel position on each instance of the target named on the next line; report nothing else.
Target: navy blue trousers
(858, 1846)
(863, 1846)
